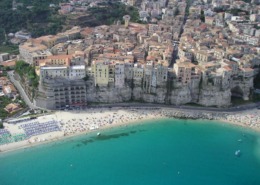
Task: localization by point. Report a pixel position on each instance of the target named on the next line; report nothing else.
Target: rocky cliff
(204, 91)
(177, 94)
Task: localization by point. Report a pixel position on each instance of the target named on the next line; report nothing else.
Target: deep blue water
(162, 152)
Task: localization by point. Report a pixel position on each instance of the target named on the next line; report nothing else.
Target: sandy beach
(80, 122)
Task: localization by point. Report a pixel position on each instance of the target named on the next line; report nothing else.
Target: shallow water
(162, 152)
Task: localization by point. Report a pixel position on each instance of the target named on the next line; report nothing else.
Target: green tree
(112, 11)
(2, 36)
(39, 20)
(202, 16)
(27, 71)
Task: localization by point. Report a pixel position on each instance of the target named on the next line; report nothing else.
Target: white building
(129, 70)
(77, 72)
(161, 72)
(34, 57)
(51, 72)
(27, 50)
(66, 72)
(4, 57)
(138, 72)
(119, 74)
(22, 35)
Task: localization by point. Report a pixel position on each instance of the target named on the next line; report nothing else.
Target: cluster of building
(225, 46)
(179, 59)
(152, 11)
(19, 36)
(8, 90)
(7, 60)
(77, 6)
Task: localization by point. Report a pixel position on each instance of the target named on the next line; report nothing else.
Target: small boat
(240, 140)
(98, 134)
(238, 153)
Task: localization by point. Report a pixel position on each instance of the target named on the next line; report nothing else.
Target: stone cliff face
(242, 87)
(176, 95)
(204, 91)
(107, 94)
(180, 96)
(215, 98)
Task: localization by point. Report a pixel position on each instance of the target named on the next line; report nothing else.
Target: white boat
(98, 134)
(238, 153)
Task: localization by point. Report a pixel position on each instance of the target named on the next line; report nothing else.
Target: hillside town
(129, 92)
(194, 53)
(201, 52)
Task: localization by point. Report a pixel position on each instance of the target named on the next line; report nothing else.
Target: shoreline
(121, 118)
(26, 145)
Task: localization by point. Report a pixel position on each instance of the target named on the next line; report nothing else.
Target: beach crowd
(69, 123)
(95, 119)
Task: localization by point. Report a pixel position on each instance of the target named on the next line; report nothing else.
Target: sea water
(160, 152)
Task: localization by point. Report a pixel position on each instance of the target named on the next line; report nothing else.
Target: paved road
(21, 90)
(181, 107)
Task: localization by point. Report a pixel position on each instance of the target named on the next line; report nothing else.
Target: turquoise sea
(163, 152)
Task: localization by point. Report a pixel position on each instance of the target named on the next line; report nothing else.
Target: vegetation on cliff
(39, 18)
(9, 48)
(3, 102)
(108, 12)
(27, 72)
(2, 35)
(35, 16)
